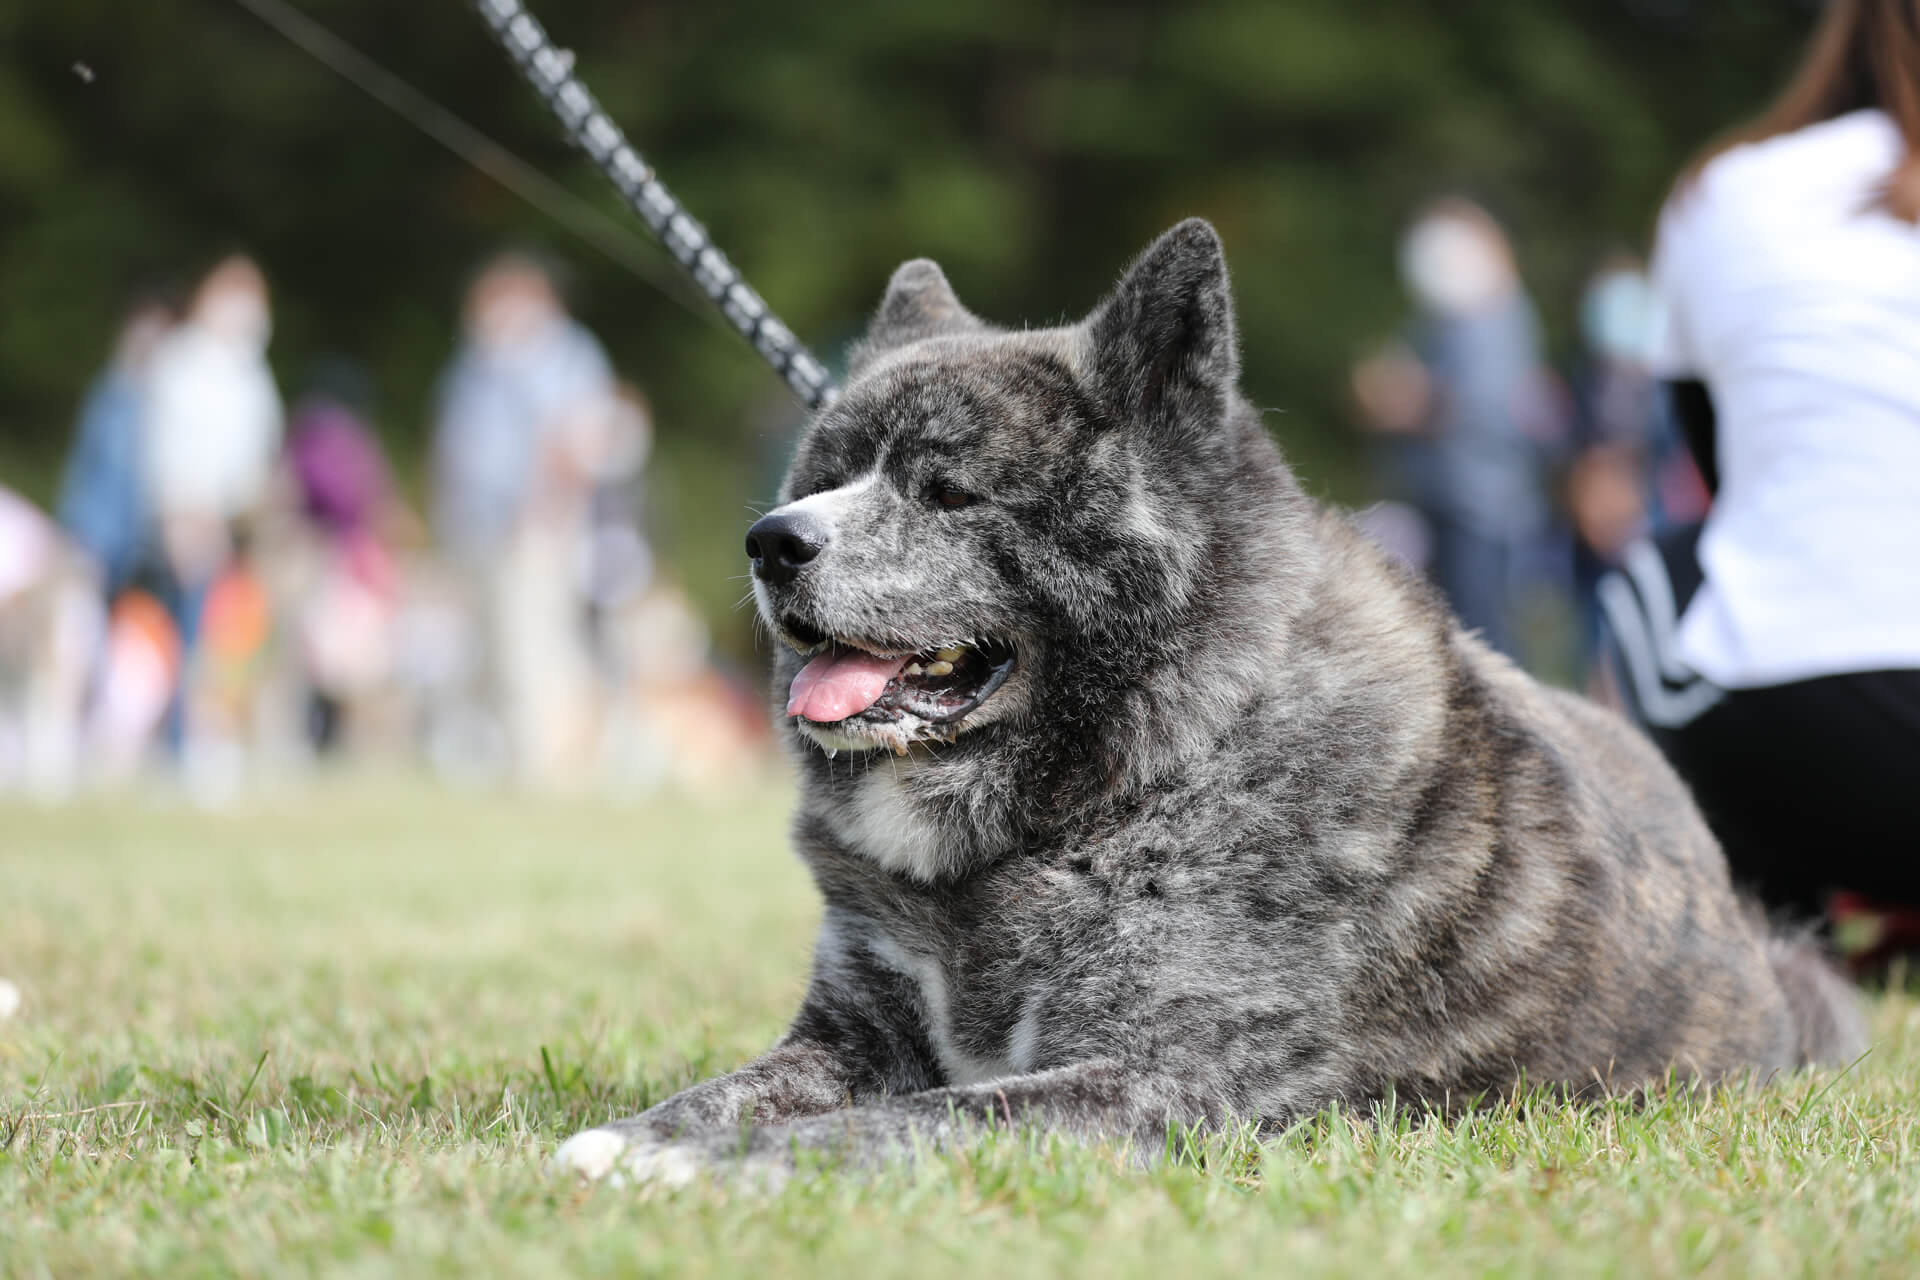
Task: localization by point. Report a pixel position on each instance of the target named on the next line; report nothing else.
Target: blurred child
(351, 589)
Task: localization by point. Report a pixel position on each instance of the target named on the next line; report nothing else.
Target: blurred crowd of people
(1515, 485)
(1709, 514)
(226, 588)
(1728, 484)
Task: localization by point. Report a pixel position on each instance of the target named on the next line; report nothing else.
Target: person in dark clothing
(102, 505)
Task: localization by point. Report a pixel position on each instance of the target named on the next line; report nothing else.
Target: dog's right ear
(919, 303)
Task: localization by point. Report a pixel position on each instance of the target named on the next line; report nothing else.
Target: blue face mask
(1617, 316)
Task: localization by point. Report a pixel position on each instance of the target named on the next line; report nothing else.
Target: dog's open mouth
(850, 685)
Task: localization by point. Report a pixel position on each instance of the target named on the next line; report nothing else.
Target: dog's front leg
(860, 1035)
(1090, 1101)
(795, 1078)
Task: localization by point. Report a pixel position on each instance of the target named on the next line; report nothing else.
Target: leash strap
(550, 72)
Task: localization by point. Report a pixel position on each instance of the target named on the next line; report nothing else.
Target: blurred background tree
(1031, 148)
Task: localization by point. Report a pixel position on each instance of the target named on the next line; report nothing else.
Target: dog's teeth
(942, 668)
(913, 669)
(951, 654)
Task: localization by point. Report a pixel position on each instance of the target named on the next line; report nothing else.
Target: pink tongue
(837, 685)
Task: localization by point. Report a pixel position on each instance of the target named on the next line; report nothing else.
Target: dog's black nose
(779, 545)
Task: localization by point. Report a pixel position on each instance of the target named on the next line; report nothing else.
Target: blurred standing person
(212, 433)
(348, 581)
(1467, 409)
(213, 424)
(51, 619)
(618, 564)
(1630, 472)
(103, 504)
(526, 416)
(1789, 260)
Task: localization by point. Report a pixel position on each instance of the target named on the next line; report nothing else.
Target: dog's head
(1002, 537)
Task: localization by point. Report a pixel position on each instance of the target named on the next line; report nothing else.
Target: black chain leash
(550, 72)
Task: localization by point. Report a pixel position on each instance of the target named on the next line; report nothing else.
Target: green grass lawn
(342, 1031)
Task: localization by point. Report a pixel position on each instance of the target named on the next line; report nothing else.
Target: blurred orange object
(236, 619)
(141, 622)
(137, 679)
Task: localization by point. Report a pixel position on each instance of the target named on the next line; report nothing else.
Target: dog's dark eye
(948, 496)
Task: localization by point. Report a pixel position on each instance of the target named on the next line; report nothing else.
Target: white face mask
(239, 316)
(1452, 266)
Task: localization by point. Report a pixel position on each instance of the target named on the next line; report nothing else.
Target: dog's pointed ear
(919, 303)
(1164, 346)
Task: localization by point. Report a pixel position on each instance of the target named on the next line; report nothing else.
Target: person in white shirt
(212, 430)
(1786, 687)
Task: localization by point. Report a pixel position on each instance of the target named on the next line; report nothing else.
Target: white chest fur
(881, 822)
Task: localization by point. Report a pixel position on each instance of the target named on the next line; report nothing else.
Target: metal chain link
(550, 72)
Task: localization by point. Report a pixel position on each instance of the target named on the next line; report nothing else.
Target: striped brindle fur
(1251, 827)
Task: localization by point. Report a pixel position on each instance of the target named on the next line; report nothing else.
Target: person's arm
(1693, 411)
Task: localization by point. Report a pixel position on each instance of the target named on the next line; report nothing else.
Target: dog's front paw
(621, 1158)
(590, 1154)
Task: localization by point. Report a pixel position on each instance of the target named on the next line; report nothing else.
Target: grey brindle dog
(1143, 791)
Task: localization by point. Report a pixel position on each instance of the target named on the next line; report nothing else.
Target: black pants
(1811, 787)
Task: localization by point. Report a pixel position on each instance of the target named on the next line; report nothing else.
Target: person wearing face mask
(1466, 409)
(1629, 474)
(212, 431)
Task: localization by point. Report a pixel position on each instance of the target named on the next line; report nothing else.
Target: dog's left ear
(919, 303)
(1164, 347)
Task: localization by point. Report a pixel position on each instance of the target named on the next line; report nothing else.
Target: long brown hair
(1864, 53)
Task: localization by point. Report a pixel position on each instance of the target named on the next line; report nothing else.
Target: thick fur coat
(1244, 824)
